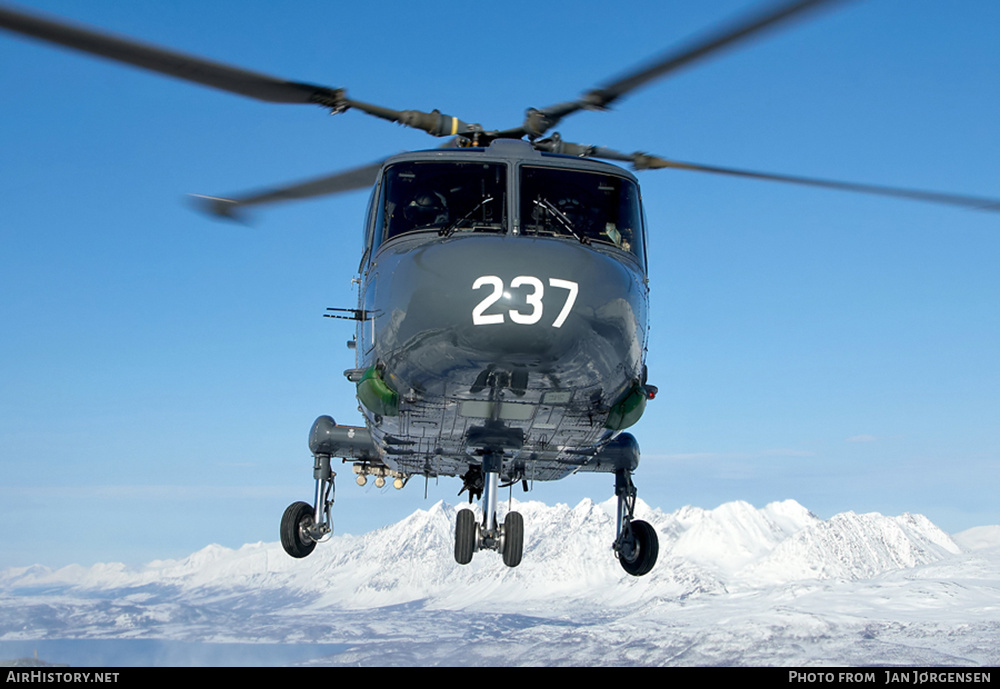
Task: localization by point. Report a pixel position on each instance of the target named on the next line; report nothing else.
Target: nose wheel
(512, 539)
(471, 535)
(466, 536)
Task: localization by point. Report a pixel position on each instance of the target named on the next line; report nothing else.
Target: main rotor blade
(187, 67)
(643, 161)
(218, 75)
(339, 182)
(538, 122)
(714, 42)
(348, 180)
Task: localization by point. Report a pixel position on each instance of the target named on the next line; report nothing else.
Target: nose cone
(457, 306)
(540, 321)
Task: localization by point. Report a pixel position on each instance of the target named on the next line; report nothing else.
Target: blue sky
(159, 370)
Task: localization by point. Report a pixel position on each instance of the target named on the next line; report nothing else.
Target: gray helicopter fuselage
(491, 321)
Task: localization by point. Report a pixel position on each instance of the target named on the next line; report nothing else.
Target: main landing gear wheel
(637, 546)
(639, 549)
(304, 525)
(296, 523)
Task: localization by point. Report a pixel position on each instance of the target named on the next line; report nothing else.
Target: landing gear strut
(488, 534)
(636, 545)
(304, 525)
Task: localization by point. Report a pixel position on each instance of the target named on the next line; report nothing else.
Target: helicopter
(503, 302)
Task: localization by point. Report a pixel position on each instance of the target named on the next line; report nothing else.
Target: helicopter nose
(451, 309)
(554, 303)
(541, 324)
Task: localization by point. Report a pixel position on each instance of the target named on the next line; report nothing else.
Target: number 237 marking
(533, 299)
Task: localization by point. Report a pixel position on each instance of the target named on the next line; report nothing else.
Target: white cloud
(713, 456)
(863, 438)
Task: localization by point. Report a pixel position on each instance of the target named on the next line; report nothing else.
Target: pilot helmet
(427, 208)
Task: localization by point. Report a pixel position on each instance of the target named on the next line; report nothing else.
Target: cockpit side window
(370, 240)
(445, 196)
(589, 206)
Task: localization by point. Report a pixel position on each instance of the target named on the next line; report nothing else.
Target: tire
(513, 539)
(643, 554)
(465, 536)
(296, 518)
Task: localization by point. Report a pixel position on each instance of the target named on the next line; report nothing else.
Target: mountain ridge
(735, 585)
(734, 546)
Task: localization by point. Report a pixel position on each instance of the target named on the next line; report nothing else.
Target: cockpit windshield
(448, 197)
(589, 206)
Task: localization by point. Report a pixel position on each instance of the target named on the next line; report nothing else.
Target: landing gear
(639, 549)
(296, 523)
(637, 545)
(488, 535)
(512, 539)
(304, 525)
(466, 536)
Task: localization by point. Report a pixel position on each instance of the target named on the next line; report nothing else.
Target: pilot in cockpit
(426, 209)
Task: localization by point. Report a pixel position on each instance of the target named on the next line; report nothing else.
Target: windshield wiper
(560, 217)
(447, 231)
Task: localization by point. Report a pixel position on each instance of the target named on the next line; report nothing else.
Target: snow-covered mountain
(736, 584)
